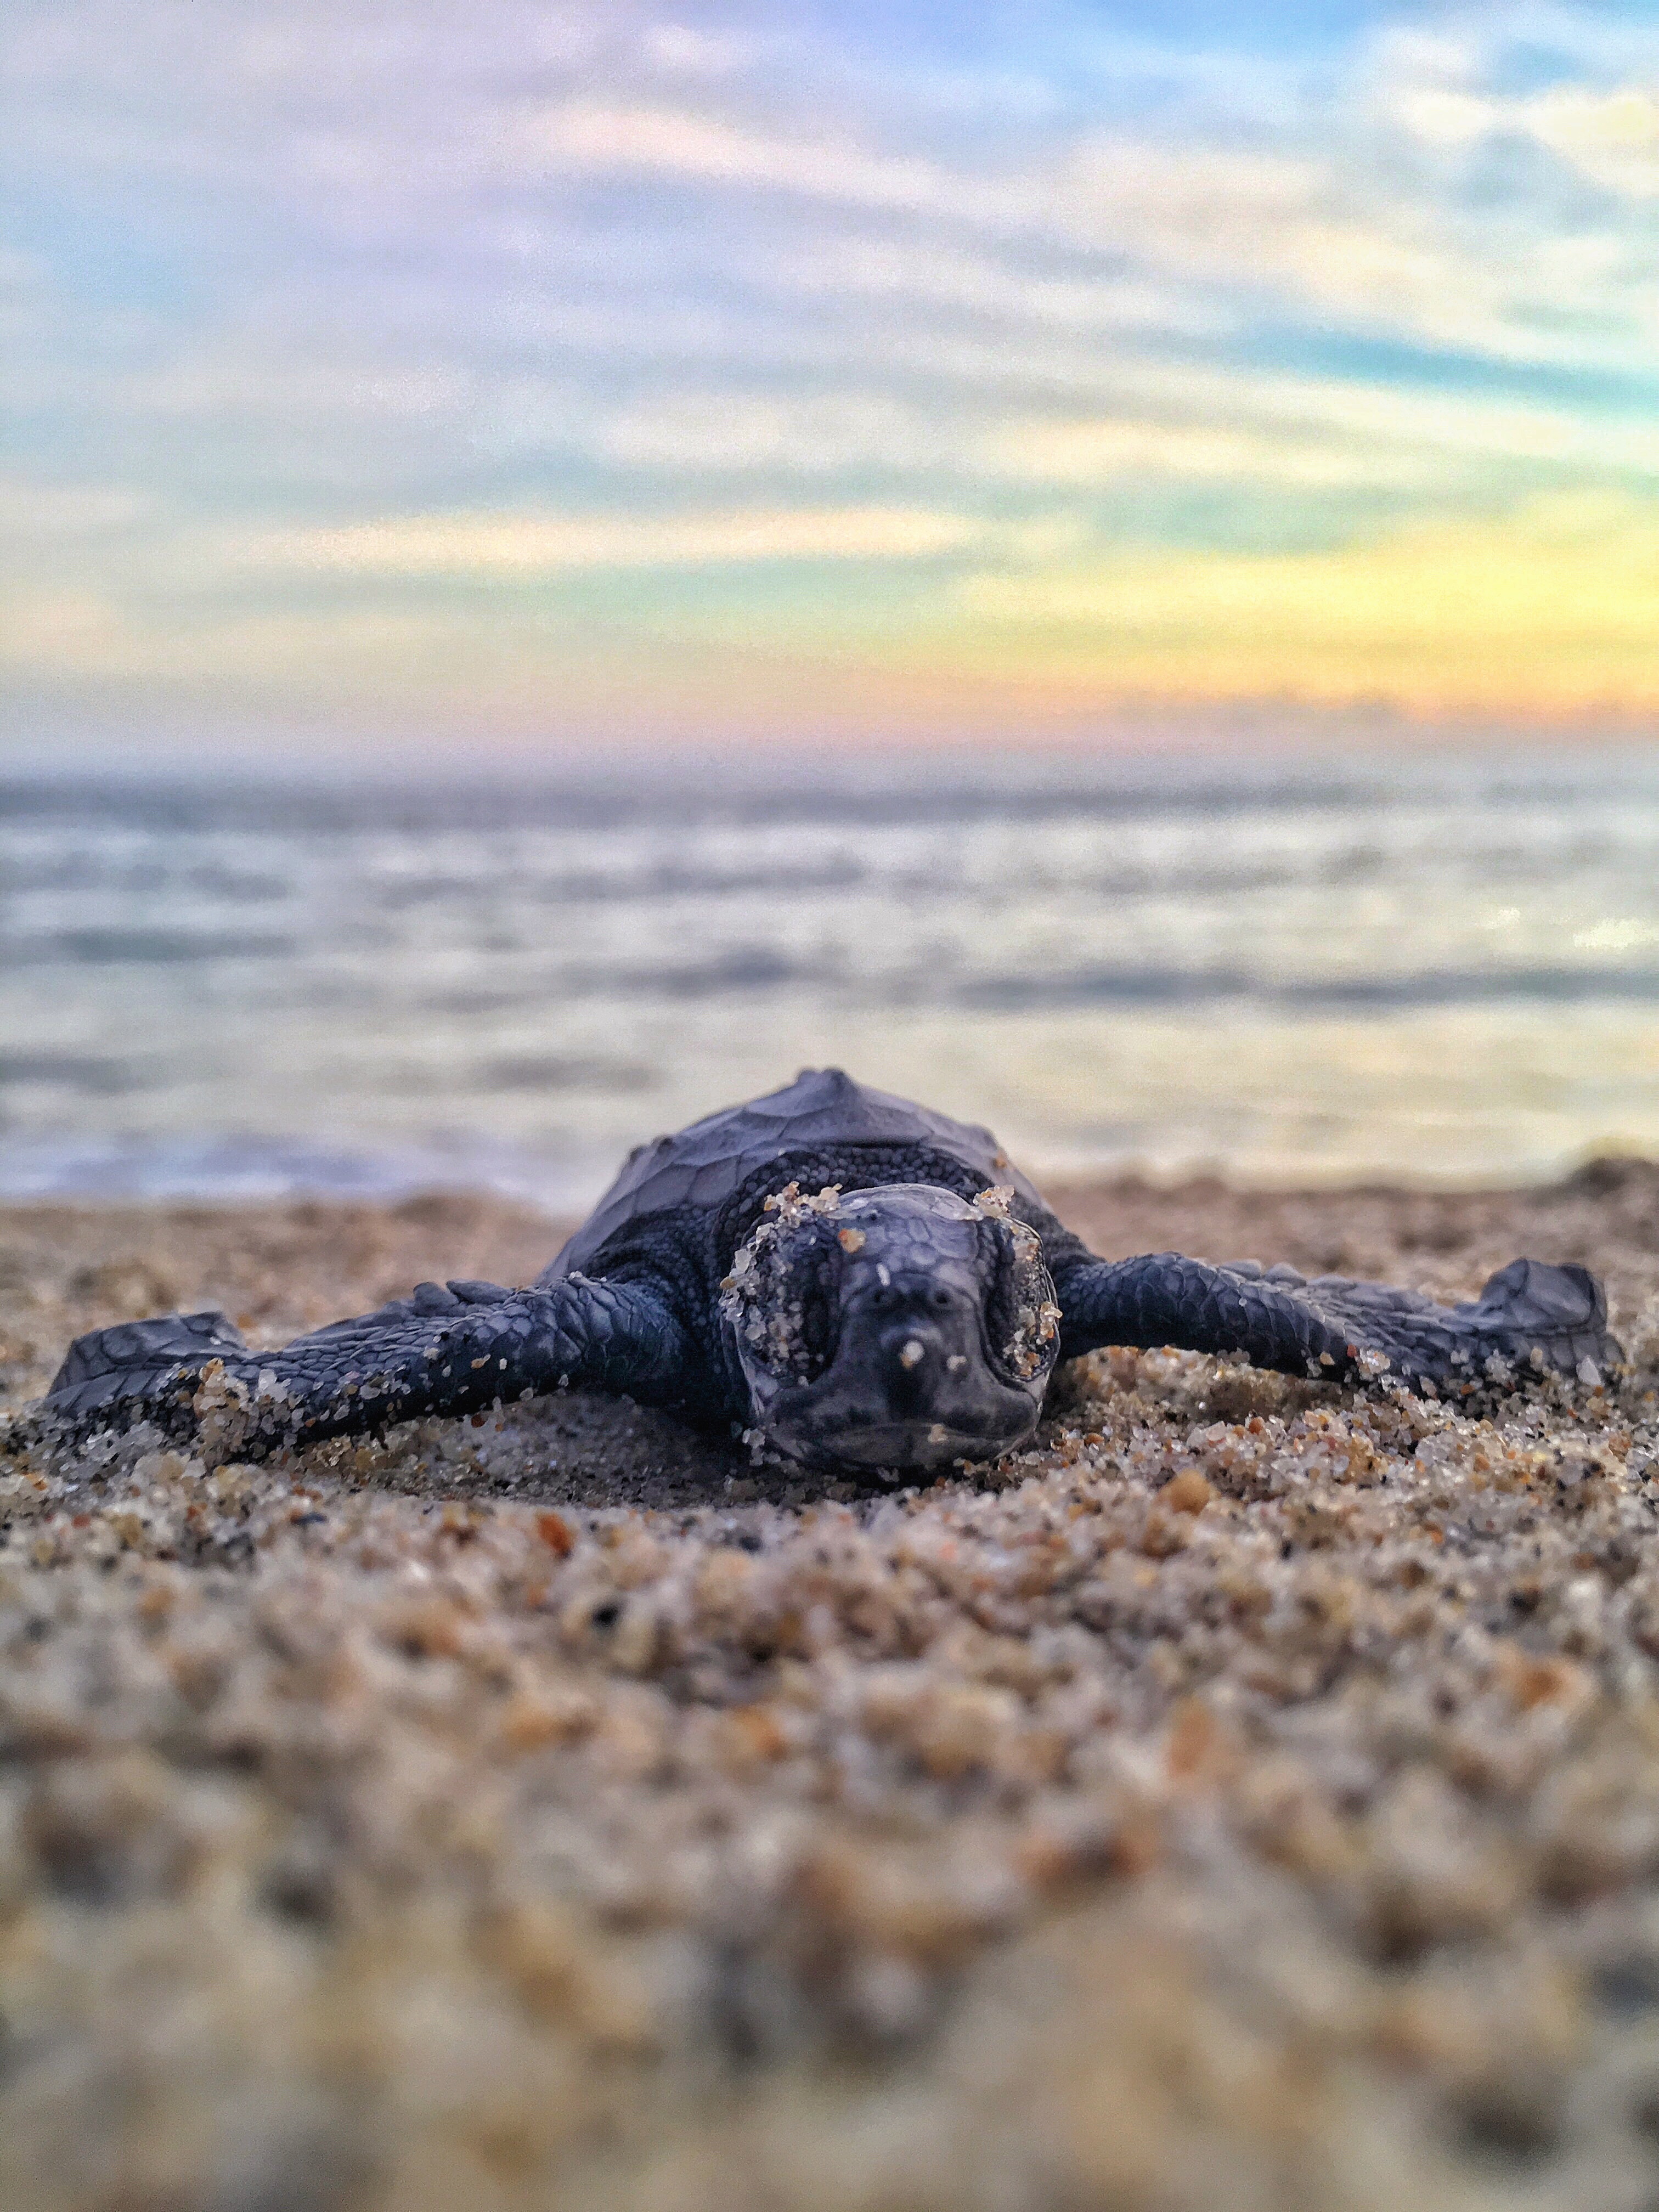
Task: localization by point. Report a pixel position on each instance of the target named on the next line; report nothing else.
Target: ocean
(1439, 969)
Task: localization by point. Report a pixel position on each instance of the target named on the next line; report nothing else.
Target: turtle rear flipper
(136, 1359)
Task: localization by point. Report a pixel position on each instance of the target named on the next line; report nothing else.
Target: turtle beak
(909, 1387)
(911, 1377)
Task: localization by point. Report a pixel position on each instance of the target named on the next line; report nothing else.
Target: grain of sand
(1247, 1797)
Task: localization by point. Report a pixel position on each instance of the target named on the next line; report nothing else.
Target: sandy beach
(1249, 1796)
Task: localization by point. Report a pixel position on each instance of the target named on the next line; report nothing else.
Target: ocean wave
(1175, 987)
(148, 948)
(557, 965)
(550, 1073)
(744, 790)
(95, 1074)
(250, 1168)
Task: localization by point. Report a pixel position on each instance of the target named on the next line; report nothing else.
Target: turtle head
(895, 1328)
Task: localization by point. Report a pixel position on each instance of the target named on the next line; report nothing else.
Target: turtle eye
(1022, 1320)
(780, 1298)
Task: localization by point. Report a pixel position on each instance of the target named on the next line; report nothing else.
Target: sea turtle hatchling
(851, 1280)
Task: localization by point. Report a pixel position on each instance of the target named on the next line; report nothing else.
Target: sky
(499, 375)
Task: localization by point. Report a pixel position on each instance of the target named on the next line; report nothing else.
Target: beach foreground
(1248, 1797)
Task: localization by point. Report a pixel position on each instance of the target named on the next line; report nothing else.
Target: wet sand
(1249, 1796)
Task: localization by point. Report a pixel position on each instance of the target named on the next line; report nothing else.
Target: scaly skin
(1530, 1316)
(448, 1349)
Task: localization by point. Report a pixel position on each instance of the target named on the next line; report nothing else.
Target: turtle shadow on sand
(576, 1449)
(584, 1451)
(588, 1453)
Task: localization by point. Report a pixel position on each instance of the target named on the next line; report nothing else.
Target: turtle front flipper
(450, 1348)
(1529, 1317)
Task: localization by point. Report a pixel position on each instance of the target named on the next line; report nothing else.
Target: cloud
(1319, 432)
(1549, 611)
(782, 322)
(1609, 131)
(929, 271)
(1614, 137)
(65, 632)
(1545, 613)
(1100, 452)
(1329, 227)
(606, 138)
(1258, 218)
(32, 514)
(799, 434)
(487, 545)
(679, 50)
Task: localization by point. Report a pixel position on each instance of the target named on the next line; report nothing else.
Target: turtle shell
(823, 1108)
